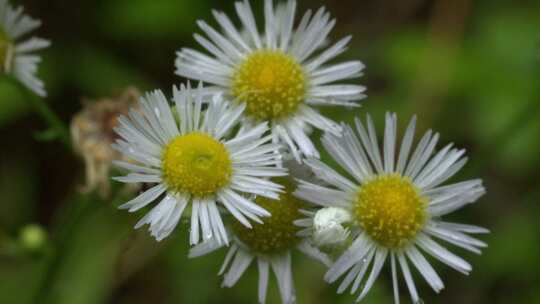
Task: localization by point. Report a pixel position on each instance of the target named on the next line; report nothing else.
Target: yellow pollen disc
(278, 233)
(271, 83)
(5, 44)
(197, 164)
(391, 210)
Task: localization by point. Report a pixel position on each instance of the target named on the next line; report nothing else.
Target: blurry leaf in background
(100, 72)
(86, 270)
(150, 19)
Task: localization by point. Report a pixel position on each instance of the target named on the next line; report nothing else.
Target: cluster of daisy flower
(235, 158)
(16, 56)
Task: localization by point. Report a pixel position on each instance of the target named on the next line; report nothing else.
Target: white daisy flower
(395, 206)
(16, 58)
(280, 75)
(196, 161)
(270, 244)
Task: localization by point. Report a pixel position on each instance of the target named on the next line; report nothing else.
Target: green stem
(41, 108)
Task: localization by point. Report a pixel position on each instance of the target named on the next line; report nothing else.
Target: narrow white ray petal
(252, 188)
(337, 91)
(248, 148)
(380, 258)
(330, 53)
(263, 279)
(315, 36)
(301, 139)
(136, 155)
(167, 226)
(248, 21)
(230, 30)
(366, 262)
(443, 255)
(238, 214)
(424, 156)
(239, 200)
(31, 45)
(162, 110)
(455, 203)
(204, 220)
(356, 150)
(448, 174)
(434, 163)
(300, 29)
(356, 252)
(214, 50)
(463, 228)
(229, 119)
(279, 132)
(370, 145)
(157, 215)
(329, 175)
(406, 145)
(237, 268)
(208, 75)
(282, 268)
(322, 196)
(260, 172)
(287, 26)
(193, 57)
(144, 198)
(408, 277)
(335, 72)
(425, 269)
(219, 40)
(318, 121)
(314, 252)
(456, 238)
(217, 224)
(138, 178)
(418, 152)
(443, 167)
(270, 24)
(395, 284)
(228, 257)
(309, 28)
(194, 231)
(390, 142)
(253, 133)
(452, 190)
(351, 276)
(197, 107)
(207, 247)
(338, 149)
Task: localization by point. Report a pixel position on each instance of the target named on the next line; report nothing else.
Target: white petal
(144, 198)
(380, 258)
(238, 267)
(263, 279)
(408, 277)
(443, 255)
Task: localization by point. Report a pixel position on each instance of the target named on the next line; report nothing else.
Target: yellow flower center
(197, 164)
(278, 232)
(271, 83)
(5, 45)
(391, 210)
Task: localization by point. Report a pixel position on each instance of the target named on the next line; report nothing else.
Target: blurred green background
(469, 69)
